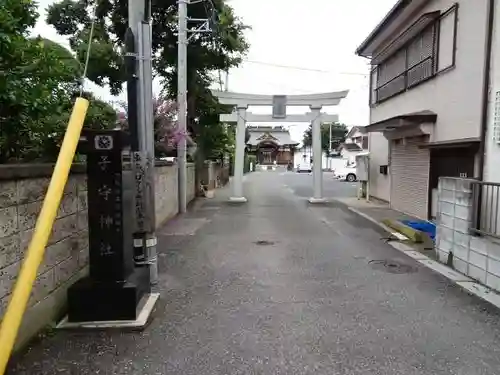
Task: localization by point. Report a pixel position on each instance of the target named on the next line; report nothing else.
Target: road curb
(464, 282)
(395, 234)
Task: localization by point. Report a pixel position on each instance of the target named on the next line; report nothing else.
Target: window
(364, 144)
(421, 57)
(408, 67)
(431, 51)
(447, 39)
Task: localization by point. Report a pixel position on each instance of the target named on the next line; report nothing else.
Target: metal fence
(485, 208)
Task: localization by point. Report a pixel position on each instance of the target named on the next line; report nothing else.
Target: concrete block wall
(66, 255)
(191, 188)
(166, 190)
(222, 171)
(476, 257)
(22, 190)
(208, 175)
(166, 193)
(211, 171)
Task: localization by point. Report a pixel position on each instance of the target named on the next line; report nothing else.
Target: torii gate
(241, 102)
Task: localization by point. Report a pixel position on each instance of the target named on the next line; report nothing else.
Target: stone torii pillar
(316, 117)
(317, 156)
(239, 158)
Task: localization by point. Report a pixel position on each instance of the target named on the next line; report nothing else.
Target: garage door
(409, 177)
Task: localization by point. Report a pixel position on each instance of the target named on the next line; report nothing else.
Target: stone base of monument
(106, 304)
(144, 311)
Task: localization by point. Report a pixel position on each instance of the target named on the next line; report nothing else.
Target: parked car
(346, 174)
(304, 167)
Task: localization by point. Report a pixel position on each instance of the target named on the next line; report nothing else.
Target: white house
(356, 141)
(428, 99)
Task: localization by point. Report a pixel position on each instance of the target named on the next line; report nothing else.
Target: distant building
(356, 141)
(271, 144)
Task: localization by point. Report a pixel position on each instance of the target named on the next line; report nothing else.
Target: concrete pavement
(276, 286)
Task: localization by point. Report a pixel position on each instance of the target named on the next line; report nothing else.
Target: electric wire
(89, 49)
(211, 12)
(292, 67)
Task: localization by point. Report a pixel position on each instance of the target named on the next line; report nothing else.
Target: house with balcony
(428, 99)
(356, 141)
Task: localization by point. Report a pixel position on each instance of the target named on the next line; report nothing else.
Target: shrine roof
(277, 134)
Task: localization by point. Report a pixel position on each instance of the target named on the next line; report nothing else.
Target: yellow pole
(34, 256)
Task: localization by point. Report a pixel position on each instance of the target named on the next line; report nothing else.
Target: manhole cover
(392, 266)
(264, 243)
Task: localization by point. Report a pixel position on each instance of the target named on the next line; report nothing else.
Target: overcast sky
(297, 47)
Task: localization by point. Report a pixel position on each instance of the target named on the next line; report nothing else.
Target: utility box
(362, 165)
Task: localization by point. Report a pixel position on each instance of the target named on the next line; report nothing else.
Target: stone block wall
(22, 190)
(222, 171)
(476, 257)
(166, 193)
(212, 172)
(66, 255)
(191, 188)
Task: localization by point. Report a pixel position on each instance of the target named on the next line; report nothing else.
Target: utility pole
(183, 41)
(143, 135)
(182, 103)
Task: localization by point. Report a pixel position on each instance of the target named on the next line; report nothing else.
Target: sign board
(105, 206)
(279, 106)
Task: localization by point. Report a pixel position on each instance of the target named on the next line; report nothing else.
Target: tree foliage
(38, 79)
(166, 131)
(207, 52)
(339, 132)
(32, 82)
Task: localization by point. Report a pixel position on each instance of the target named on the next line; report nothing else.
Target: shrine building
(271, 144)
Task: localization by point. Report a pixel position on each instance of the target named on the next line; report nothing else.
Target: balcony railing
(411, 77)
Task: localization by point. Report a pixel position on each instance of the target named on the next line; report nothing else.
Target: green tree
(33, 82)
(339, 132)
(207, 52)
(73, 19)
(214, 139)
(100, 115)
(63, 55)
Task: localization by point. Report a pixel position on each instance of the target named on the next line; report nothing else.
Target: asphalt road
(277, 286)
(302, 185)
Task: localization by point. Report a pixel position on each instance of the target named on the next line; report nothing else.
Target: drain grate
(392, 266)
(264, 243)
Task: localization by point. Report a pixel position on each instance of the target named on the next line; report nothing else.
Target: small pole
(330, 148)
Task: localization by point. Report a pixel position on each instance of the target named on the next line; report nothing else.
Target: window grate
(411, 65)
(496, 119)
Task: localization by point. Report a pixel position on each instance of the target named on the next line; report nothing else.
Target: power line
(303, 68)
